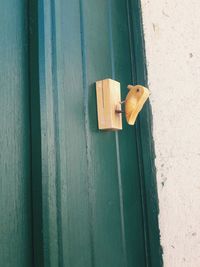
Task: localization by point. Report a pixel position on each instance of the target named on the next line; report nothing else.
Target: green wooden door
(71, 195)
(101, 207)
(15, 151)
(98, 198)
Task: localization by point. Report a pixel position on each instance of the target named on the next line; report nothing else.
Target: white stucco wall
(172, 37)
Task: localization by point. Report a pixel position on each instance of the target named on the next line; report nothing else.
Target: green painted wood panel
(131, 176)
(89, 201)
(90, 189)
(145, 139)
(15, 178)
(114, 61)
(98, 223)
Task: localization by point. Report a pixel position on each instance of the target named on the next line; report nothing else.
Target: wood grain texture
(108, 102)
(15, 190)
(88, 190)
(103, 165)
(99, 200)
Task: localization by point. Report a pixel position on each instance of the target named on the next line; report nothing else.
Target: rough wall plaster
(172, 37)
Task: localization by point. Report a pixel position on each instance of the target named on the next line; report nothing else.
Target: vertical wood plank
(44, 157)
(74, 227)
(145, 139)
(15, 190)
(103, 174)
(131, 187)
(92, 211)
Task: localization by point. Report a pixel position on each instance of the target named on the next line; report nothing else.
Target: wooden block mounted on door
(108, 102)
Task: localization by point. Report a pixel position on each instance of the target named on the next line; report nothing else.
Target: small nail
(118, 111)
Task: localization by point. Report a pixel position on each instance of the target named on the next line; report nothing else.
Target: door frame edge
(145, 143)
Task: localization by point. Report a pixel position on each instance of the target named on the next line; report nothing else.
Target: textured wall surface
(172, 36)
